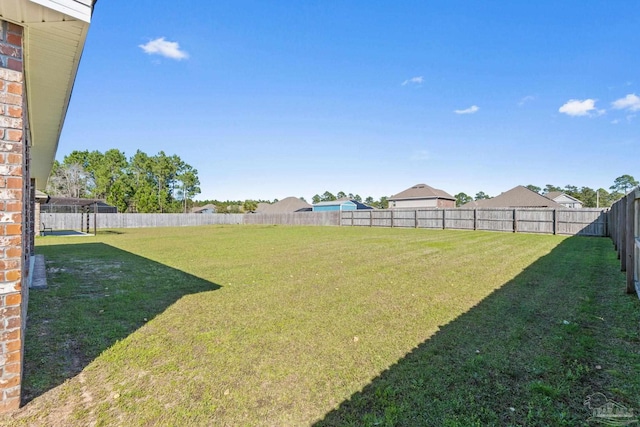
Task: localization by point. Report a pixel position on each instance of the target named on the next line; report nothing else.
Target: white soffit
(51, 64)
(54, 36)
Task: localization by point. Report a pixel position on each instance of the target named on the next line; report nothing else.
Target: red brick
(1, 84)
(14, 322)
(3, 181)
(14, 135)
(13, 28)
(12, 311)
(13, 357)
(13, 252)
(14, 111)
(14, 159)
(13, 392)
(12, 51)
(13, 207)
(13, 368)
(12, 275)
(11, 241)
(13, 299)
(8, 98)
(11, 381)
(14, 182)
(14, 39)
(13, 230)
(10, 336)
(9, 405)
(14, 64)
(13, 345)
(15, 88)
(16, 217)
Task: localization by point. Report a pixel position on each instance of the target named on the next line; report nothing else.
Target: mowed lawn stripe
(266, 325)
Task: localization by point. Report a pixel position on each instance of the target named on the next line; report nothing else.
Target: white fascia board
(78, 9)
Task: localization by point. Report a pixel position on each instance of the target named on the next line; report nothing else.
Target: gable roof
(422, 191)
(205, 207)
(553, 195)
(335, 202)
(288, 204)
(359, 205)
(519, 197)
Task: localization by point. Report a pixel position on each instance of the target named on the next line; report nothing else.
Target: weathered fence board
(624, 228)
(78, 221)
(585, 222)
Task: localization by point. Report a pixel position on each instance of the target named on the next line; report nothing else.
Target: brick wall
(15, 235)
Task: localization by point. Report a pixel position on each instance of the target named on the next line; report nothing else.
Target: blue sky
(291, 98)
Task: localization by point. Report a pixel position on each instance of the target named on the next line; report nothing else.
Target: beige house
(517, 197)
(564, 199)
(41, 42)
(422, 196)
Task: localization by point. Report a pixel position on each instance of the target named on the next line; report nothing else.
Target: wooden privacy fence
(584, 222)
(624, 226)
(78, 221)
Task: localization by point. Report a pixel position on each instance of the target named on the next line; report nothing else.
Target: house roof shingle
(422, 191)
(289, 204)
(517, 197)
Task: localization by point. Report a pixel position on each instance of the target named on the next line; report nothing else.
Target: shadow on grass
(96, 295)
(528, 354)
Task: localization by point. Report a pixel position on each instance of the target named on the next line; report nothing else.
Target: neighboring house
(564, 199)
(206, 209)
(286, 205)
(41, 42)
(335, 205)
(359, 205)
(517, 197)
(422, 196)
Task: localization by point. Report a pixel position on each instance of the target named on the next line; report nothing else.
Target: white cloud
(526, 99)
(413, 80)
(630, 102)
(164, 48)
(470, 110)
(576, 107)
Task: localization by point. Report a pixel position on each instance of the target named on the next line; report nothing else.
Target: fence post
(630, 242)
(391, 218)
(475, 218)
(555, 220)
(623, 233)
(444, 226)
(515, 220)
(415, 218)
(371, 218)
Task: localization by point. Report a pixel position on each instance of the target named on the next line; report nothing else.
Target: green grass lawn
(327, 326)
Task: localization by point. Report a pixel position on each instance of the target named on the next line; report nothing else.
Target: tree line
(142, 183)
(589, 197)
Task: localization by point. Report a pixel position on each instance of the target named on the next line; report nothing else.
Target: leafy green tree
(250, 205)
(623, 184)
(481, 195)
(327, 197)
(341, 195)
(316, 199)
(462, 198)
(369, 201)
